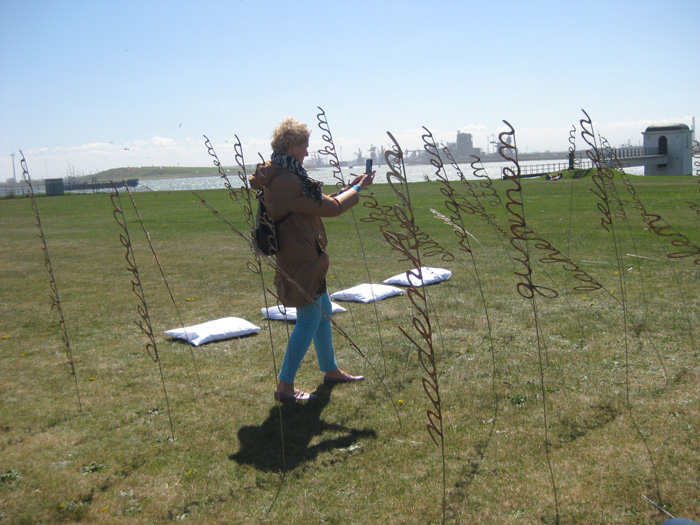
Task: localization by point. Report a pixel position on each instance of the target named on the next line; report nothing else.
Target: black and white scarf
(311, 187)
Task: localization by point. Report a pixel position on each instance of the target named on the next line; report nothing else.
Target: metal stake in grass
(144, 323)
(55, 297)
(657, 225)
(552, 255)
(659, 507)
(458, 204)
(244, 196)
(621, 216)
(165, 279)
(408, 244)
(526, 287)
(603, 179)
(572, 157)
(330, 151)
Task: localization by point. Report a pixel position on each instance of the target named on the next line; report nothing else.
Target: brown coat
(301, 238)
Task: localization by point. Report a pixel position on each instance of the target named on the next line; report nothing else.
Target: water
(414, 173)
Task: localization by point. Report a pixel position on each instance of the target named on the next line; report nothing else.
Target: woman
(297, 202)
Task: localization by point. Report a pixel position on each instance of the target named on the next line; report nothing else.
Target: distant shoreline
(144, 173)
(149, 173)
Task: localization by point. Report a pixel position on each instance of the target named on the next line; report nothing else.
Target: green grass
(348, 459)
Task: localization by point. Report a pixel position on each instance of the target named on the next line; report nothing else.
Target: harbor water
(414, 173)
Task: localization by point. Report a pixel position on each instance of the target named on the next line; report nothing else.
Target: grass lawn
(618, 386)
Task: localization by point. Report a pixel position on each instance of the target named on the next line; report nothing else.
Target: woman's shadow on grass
(261, 445)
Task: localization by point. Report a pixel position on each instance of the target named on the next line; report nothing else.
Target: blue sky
(93, 85)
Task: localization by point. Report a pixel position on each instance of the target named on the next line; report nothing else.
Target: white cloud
(164, 142)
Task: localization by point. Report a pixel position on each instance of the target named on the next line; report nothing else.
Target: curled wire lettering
(455, 203)
(165, 279)
(555, 256)
(330, 151)
(602, 174)
(144, 322)
(572, 147)
(53, 287)
(408, 244)
(696, 162)
(612, 159)
(402, 212)
(242, 194)
(486, 185)
(526, 288)
(695, 207)
(394, 177)
(518, 227)
(472, 204)
(136, 287)
(220, 168)
(661, 228)
(329, 148)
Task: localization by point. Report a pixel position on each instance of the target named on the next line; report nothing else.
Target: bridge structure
(634, 156)
(616, 157)
(667, 150)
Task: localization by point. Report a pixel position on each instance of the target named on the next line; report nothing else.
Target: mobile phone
(368, 166)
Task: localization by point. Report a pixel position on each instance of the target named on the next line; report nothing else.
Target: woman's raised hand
(367, 179)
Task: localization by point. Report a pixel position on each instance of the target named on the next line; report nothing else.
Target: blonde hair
(290, 132)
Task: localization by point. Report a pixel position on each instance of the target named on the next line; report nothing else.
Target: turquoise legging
(311, 325)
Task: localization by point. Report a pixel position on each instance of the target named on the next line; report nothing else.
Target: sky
(86, 86)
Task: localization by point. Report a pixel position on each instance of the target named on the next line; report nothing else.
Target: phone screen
(368, 166)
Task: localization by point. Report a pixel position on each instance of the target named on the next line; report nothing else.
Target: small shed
(54, 187)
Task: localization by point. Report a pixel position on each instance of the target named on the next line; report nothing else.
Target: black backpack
(265, 235)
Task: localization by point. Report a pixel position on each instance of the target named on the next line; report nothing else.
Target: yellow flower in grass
(592, 303)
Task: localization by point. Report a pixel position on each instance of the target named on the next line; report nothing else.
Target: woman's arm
(289, 197)
(328, 207)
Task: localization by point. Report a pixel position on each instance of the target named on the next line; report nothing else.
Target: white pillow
(280, 313)
(214, 330)
(366, 293)
(430, 276)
